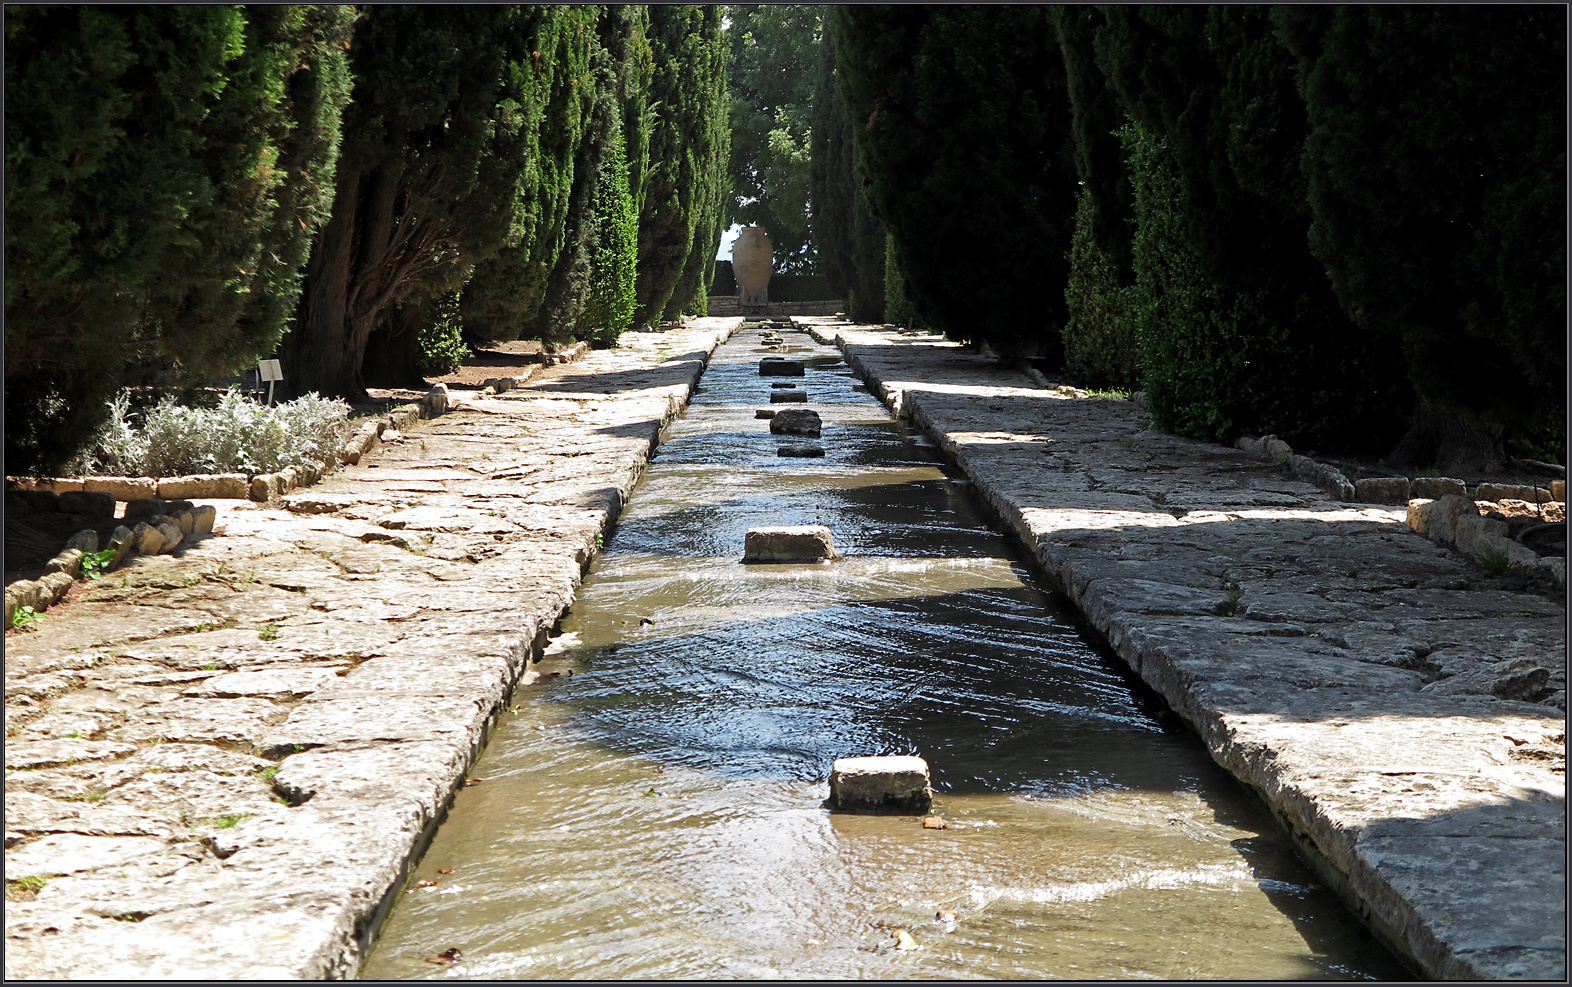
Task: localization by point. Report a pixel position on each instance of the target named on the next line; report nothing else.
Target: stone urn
(751, 258)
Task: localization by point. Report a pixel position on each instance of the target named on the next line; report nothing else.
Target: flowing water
(657, 813)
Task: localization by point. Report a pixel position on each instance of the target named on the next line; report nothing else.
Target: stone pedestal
(895, 784)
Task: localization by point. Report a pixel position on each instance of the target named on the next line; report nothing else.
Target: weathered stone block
(764, 413)
(1382, 490)
(123, 487)
(789, 543)
(202, 519)
(186, 521)
(1276, 448)
(436, 401)
(204, 485)
(84, 541)
(1558, 490)
(1506, 491)
(32, 502)
(795, 421)
(780, 367)
(123, 543)
(53, 587)
(68, 561)
(84, 503)
(897, 784)
(1437, 519)
(146, 539)
(801, 450)
(170, 531)
(265, 486)
(789, 397)
(1436, 487)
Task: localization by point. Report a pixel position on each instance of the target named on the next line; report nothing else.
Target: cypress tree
(1237, 327)
(506, 292)
(165, 170)
(608, 311)
(1436, 167)
(445, 124)
(962, 121)
(848, 239)
(687, 159)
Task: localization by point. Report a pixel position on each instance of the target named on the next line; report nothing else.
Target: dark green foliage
(679, 223)
(507, 291)
(1099, 158)
(898, 307)
(608, 312)
(848, 239)
(1238, 329)
(1437, 180)
(774, 54)
(445, 129)
(1100, 338)
(963, 125)
(441, 338)
(165, 170)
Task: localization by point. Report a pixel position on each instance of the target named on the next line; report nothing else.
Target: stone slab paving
(221, 763)
(1400, 712)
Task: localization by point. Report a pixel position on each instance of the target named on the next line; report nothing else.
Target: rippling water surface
(657, 813)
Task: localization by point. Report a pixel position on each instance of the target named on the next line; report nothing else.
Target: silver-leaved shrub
(237, 436)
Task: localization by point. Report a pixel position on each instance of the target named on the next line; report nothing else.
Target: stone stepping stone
(789, 397)
(779, 366)
(796, 421)
(801, 450)
(872, 785)
(789, 543)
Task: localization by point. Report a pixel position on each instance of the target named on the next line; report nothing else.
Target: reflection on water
(657, 814)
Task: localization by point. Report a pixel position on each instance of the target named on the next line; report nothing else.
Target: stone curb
(43, 593)
(420, 662)
(1471, 889)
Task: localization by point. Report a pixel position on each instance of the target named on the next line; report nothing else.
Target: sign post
(272, 372)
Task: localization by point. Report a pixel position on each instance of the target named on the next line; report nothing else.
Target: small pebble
(934, 822)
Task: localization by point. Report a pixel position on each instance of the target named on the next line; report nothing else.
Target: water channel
(653, 807)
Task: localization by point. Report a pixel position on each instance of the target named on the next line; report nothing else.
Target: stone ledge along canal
(652, 809)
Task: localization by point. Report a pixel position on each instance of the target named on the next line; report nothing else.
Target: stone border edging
(1459, 894)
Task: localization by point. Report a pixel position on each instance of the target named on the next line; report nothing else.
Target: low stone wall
(1400, 712)
(730, 305)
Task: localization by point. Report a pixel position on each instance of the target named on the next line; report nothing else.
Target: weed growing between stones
(268, 632)
(25, 617)
(95, 563)
(1495, 562)
(25, 888)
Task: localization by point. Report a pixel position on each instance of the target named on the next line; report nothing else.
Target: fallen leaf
(447, 870)
(904, 940)
(472, 781)
(445, 957)
(425, 884)
(944, 915)
(933, 822)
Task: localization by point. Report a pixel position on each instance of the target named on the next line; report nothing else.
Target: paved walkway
(221, 763)
(1346, 669)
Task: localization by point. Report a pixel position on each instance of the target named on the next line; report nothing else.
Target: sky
(727, 239)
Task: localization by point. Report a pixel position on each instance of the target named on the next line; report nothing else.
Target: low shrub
(237, 435)
(1099, 336)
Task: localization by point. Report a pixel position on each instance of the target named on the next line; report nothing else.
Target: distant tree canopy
(775, 54)
(849, 241)
(166, 168)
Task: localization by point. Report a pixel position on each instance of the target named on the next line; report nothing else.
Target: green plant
(1234, 596)
(228, 821)
(1494, 561)
(25, 617)
(268, 632)
(95, 564)
(32, 883)
(236, 435)
(1099, 336)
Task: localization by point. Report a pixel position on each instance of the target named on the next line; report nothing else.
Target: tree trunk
(1451, 443)
(313, 352)
(393, 351)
